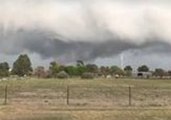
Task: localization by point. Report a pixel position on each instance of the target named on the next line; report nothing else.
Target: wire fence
(87, 96)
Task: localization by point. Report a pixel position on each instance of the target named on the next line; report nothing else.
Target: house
(142, 74)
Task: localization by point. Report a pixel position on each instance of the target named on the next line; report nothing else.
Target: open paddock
(78, 99)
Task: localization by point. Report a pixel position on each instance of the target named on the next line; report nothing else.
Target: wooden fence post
(6, 95)
(130, 96)
(68, 95)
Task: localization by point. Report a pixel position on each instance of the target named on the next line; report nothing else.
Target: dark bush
(87, 75)
(62, 75)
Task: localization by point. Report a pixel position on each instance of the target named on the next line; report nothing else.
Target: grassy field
(98, 99)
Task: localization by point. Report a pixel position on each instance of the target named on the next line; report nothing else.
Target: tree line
(23, 67)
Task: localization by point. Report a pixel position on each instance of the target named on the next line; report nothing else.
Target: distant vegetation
(23, 67)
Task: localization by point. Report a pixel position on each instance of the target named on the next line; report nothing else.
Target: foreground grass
(98, 99)
(115, 114)
(97, 92)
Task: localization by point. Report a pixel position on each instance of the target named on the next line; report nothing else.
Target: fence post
(68, 94)
(130, 96)
(6, 95)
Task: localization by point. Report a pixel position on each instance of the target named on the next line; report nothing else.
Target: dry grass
(99, 99)
(33, 113)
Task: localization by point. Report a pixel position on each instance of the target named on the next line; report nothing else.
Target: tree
(54, 69)
(169, 72)
(70, 70)
(75, 70)
(116, 70)
(22, 66)
(92, 68)
(4, 69)
(80, 63)
(143, 68)
(105, 71)
(62, 75)
(81, 70)
(159, 72)
(40, 72)
(128, 70)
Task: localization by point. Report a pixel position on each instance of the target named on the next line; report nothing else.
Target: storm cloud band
(87, 30)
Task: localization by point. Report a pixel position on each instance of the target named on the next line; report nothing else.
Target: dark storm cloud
(44, 44)
(87, 30)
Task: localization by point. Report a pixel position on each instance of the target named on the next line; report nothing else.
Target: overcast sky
(96, 31)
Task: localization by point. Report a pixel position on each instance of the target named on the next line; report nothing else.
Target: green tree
(128, 70)
(54, 69)
(75, 70)
(81, 70)
(71, 70)
(159, 72)
(117, 70)
(22, 66)
(4, 69)
(143, 68)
